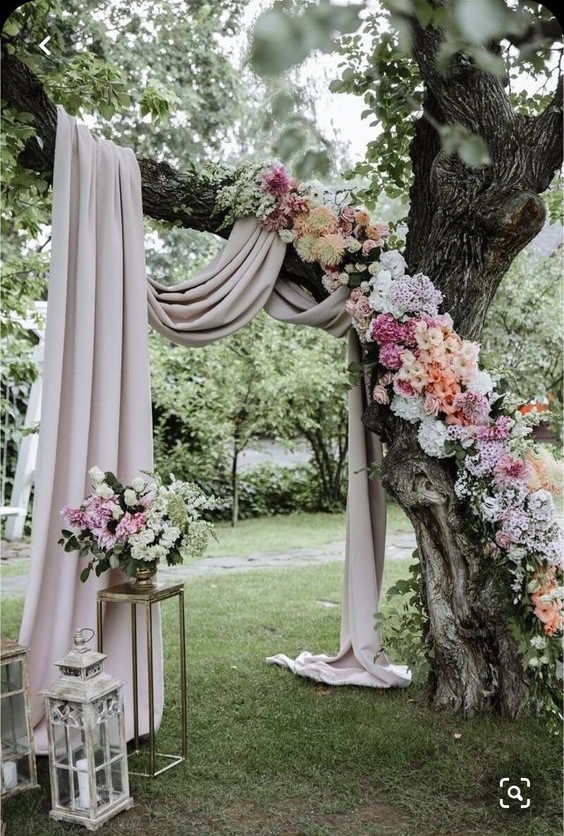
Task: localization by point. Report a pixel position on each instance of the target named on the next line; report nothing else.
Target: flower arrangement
(430, 377)
(137, 525)
(342, 240)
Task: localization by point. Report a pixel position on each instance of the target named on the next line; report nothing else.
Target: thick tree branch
(547, 138)
(168, 195)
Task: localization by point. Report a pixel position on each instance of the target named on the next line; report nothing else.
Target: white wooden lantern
(87, 745)
(17, 756)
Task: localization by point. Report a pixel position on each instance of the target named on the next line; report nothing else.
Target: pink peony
(129, 524)
(75, 517)
(276, 180)
(403, 387)
(98, 511)
(390, 355)
(380, 395)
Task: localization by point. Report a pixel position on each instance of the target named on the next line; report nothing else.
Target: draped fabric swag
(97, 409)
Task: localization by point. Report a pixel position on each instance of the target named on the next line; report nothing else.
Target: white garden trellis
(24, 474)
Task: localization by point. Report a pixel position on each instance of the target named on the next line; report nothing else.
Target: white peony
(432, 436)
(96, 475)
(393, 261)
(410, 409)
(138, 483)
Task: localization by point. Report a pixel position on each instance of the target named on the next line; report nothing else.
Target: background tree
(480, 156)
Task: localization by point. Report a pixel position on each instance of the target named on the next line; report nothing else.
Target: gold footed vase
(145, 577)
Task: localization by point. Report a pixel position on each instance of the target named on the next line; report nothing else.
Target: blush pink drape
(97, 410)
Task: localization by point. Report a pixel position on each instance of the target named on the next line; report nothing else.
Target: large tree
(478, 169)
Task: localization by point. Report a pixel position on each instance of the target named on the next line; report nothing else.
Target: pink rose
(347, 214)
(383, 229)
(368, 245)
(363, 307)
(386, 379)
(503, 540)
(432, 405)
(380, 395)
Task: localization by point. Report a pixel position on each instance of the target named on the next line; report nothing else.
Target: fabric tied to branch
(97, 409)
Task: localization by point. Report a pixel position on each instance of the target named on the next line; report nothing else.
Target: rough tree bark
(465, 228)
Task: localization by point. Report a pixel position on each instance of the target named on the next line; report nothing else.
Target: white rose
(138, 483)
(349, 268)
(96, 474)
(360, 267)
(104, 490)
(130, 497)
(353, 244)
(344, 278)
(117, 512)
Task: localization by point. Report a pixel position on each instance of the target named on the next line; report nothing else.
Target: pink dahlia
(276, 180)
(472, 407)
(509, 470)
(75, 517)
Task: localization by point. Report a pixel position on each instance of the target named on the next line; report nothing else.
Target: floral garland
(431, 378)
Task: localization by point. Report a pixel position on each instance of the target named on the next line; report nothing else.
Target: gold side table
(126, 594)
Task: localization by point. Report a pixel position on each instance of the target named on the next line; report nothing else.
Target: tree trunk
(234, 486)
(465, 227)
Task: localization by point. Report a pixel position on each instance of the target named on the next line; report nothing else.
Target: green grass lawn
(271, 754)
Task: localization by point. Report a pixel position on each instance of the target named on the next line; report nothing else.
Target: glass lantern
(87, 745)
(18, 770)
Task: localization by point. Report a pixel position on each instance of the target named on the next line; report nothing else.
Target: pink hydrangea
(409, 327)
(390, 355)
(386, 329)
(276, 180)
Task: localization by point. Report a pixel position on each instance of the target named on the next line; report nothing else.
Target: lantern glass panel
(106, 740)
(14, 725)
(117, 776)
(62, 779)
(11, 678)
(23, 770)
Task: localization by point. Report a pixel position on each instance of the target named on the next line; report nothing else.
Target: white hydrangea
(394, 262)
(481, 383)
(379, 298)
(410, 409)
(432, 436)
(538, 642)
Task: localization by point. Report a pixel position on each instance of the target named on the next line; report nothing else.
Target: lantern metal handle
(80, 641)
